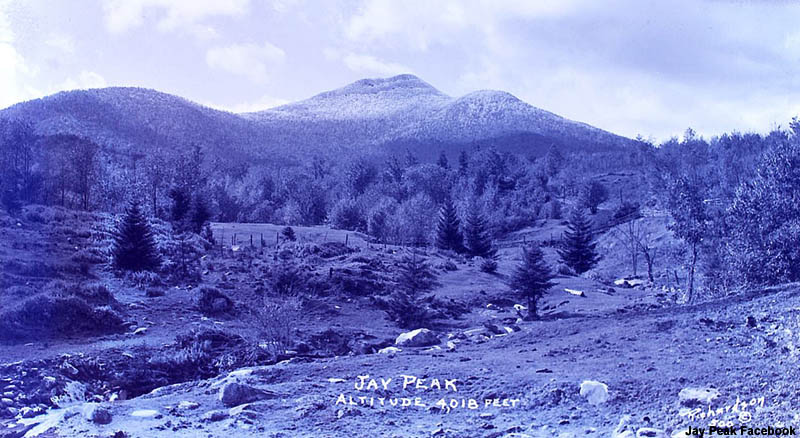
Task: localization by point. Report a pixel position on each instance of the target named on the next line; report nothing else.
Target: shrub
(286, 278)
(143, 279)
(489, 265)
(213, 302)
(578, 248)
(406, 306)
(155, 292)
(44, 316)
(276, 320)
(288, 234)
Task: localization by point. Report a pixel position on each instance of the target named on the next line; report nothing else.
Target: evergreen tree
(442, 162)
(463, 163)
(288, 234)
(134, 246)
(406, 306)
(448, 232)
(578, 249)
(476, 234)
(199, 214)
(532, 278)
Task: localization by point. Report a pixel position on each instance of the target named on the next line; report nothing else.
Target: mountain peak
(405, 83)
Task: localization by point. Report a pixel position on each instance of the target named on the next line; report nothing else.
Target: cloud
(249, 60)
(260, 104)
(84, 81)
(371, 65)
(15, 70)
(61, 42)
(187, 15)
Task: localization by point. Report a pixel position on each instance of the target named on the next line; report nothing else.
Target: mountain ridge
(373, 115)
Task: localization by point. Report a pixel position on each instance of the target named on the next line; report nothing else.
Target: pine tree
(476, 234)
(414, 278)
(134, 246)
(532, 278)
(442, 162)
(448, 232)
(578, 249)
(288, 234)
(463, 163)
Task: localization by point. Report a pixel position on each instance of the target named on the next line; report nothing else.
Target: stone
(96, 413)
(649, 432)
(389, 350)
(417, 338)
(214, 416)
(623, 429)
(596, 393)
(234, 394)
(691, 397)
(188, 405)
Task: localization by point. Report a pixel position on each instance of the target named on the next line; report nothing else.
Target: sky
(633, 67)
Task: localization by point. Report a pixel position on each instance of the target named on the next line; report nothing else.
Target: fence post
(346, 236)
(277, 239)
(262, 240)
(251, 241)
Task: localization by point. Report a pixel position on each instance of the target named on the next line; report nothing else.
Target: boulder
(235, 394)
(97, 414)
(691, 397)
(214, 416)
(417, 338)
(596, 393)
(389, 350)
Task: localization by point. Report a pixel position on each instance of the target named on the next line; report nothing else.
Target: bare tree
(85, 166)
(636, 240)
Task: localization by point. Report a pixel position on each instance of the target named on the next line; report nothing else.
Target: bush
(347, 215)
(489, 265)
(155, 292)
(134, 244)
(213, 302)
(288, 234)
(44, 316)
(143, 279)
(407, 311)
(96, 294)
(276, 320)
(286, 278)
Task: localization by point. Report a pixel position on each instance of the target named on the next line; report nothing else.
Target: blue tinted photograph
(399, 218)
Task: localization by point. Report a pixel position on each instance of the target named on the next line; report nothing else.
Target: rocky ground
(647, 366)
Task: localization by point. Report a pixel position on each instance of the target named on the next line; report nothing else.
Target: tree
(448, 229)
(593, 195)
(578, 248)
(463, 163)
(442, 162)
(414, 278)
(85, 167)
(764, 218)
(288, 234)
(134, 246)
(690, 220)
(476, 234)
(532, 278)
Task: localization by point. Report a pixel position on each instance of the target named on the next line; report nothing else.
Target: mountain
(370, 116)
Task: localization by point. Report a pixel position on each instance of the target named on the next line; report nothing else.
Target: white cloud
(372, 65)
(188, 15)
(84, 80)
(262, 103)
(14, 69)
(249, 60)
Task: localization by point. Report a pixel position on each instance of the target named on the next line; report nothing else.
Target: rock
(188, 405)
(389, 350)
(595, 392)
(691, 397)
(578, 293)
(623, 429)
(451, 346)
(140, 331)
(96, 413)
(214, 416)
(417, 338)
(69, 369)
(494, 329)
(751, 322)
(235, 394)
(649, 432)
(144, 413)
(6, 401)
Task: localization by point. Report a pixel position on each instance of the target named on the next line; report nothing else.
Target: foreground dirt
(645, 357)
